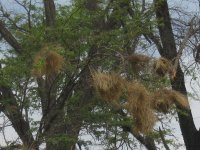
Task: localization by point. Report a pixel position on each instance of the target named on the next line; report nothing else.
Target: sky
(190, 6)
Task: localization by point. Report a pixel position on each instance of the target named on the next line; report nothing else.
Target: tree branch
(6, 15)
(184, 42)
(191, 135)
(147, 141)
(10, 38)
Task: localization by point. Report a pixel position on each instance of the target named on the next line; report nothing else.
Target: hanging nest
(138, 61)
(163, 100)
(138, 104)
(137, 96)
(54, 62)
(144, 121)
(46, 63)
(163, 66)
(108, 85)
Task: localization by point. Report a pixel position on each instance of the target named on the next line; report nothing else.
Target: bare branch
(21, 4)
(184, 42)
(28, 10)
(156, 41)
(6, 15)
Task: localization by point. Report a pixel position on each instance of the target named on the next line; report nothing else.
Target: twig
(183, 44)
(163, 139)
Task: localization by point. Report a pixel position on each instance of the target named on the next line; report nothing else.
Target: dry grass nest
(138, 61)
(46, 63)
(162, 100)
(137, 96)
(139, 106)
(140, 103)
(144, 121)
(164, 66)
(108, 85)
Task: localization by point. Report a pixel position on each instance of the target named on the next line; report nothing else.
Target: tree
(169, 51)
(52, 67)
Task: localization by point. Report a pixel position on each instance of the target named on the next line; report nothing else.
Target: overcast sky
(192, 7)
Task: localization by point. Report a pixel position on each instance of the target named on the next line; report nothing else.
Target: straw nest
(46, 63)
(138, 61)
(163, 100)
(108, 85)
(163, 66)
(54, 62)
(144, 121)
(138, 104)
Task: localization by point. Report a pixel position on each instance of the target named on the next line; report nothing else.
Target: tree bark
(55, 135)
(50, 12)
(53, 115)
(190, 134)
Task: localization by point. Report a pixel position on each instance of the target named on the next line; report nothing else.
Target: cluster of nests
(140, 103)
(161, 66)
(47, 61)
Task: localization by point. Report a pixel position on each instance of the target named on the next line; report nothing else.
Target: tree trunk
(54, 122)
(190, 134)
(56, 133)
(50, 12)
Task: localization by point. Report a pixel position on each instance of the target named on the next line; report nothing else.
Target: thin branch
(3, 130)
(28, 10)
(6, 15)
(156, 41)
(184, 42)
(163, 139)
(23, 5)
